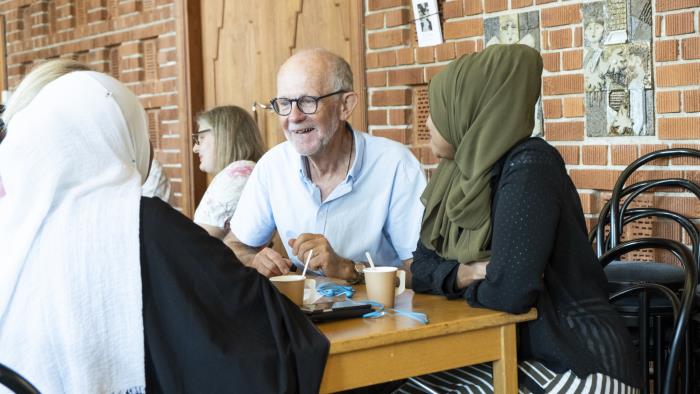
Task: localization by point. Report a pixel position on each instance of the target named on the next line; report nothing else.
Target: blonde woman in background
(228, 144)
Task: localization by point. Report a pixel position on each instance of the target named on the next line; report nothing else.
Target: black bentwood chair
(617, 213)
(682, 307)
(15, 382)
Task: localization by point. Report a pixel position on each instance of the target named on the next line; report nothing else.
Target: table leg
(505, 370)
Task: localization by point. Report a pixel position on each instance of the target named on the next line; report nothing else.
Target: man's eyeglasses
(196, 136)
(306, 104)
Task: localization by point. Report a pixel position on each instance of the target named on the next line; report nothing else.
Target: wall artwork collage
(617, 65)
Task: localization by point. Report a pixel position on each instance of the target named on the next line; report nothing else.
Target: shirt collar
(355, 168)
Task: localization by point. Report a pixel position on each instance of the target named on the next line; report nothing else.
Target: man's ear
(347, 105)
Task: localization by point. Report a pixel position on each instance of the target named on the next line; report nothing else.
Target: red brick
(372, 60)
(569, 153)
(464, 47)
(670, 5)
(538, 2)
(376, 78)
(679, 23)
(686, 206)
(551, 108)
(464, 28)
(658, 25)
(594, 179)
(678, 75)
(452, 9)
(521, 3)
(374, 21)
(374, 5)
(388, 38)
(431, 71)
(562, 84)
(666, 50)
(679, 128)
(578, 37)
(691, 100)
(623, 155)
(473, 7)
(400, 116)
(668, 102)
(594, 155)
(386, 59)
(562, 38)
(445, 51)
(691, 48)
(398, 17)
(495, 5)
(589, 201)
(404, 56)
(551, 61)
(406, 76)
(399, 135)
(573, 107)
(648, 148)
(377, 117)
(559, 16)
(686, 160)
(572, 60)
(425, 55)
(563, 131)
(383, 98)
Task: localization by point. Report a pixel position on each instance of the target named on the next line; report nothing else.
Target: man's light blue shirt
(376, 209)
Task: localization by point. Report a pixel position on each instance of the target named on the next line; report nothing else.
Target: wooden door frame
(190, 98)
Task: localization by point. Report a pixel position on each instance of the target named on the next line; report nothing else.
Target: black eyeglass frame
(316, 99)
(195, 136)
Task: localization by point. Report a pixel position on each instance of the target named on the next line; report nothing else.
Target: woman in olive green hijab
(503, 228)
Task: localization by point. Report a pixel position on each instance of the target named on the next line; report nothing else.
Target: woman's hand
(468, 273)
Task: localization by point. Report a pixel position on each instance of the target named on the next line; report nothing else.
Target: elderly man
(330, 191)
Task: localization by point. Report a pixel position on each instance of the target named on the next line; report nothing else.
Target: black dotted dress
(541, 258)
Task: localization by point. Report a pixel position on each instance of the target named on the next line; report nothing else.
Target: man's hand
(468, 273)
(324, 257)
(270, 263)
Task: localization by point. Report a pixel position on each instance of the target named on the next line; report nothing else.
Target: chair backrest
(686, 302)
(15, 382)
(619, 188)
(627, 215)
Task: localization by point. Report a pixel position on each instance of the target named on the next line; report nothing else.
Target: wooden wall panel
(243, 47)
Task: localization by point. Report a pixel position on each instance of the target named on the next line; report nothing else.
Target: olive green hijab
(482, 104)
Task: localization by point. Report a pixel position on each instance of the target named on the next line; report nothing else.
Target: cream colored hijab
(72, 166)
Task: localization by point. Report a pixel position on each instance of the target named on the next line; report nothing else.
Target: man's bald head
(322, 66)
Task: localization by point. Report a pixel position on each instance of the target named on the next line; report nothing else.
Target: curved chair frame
(16, 382)
(615, 213)
(691, 278)
(634, 191)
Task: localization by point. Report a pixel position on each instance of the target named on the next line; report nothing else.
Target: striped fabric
(533, 377)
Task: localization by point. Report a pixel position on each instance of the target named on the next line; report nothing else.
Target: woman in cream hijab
(503, 228)
(103, 291)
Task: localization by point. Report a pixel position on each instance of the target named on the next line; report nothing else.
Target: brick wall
(397, 69)
(133, 40)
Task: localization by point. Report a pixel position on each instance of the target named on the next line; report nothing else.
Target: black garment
(541, 257)
(211, 324)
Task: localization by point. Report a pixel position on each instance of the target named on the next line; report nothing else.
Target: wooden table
(371, 351)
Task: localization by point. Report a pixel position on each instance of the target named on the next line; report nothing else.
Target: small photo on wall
(517, 28)
(427, 18)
